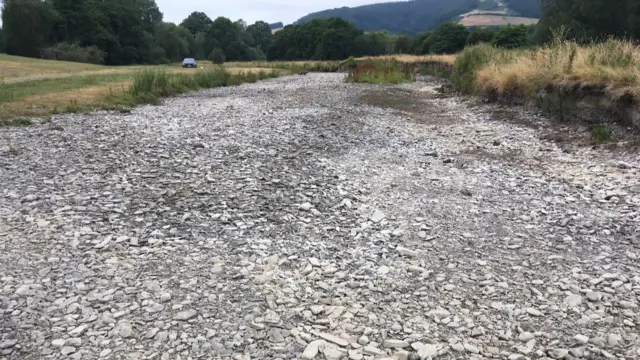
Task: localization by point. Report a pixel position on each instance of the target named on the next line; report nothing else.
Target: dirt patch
(496, 20)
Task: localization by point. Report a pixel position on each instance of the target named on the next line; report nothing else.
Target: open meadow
(38, 88)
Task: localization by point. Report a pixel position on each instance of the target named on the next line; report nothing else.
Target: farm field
(36, 88)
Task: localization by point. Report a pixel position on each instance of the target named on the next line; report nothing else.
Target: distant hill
(420, 15)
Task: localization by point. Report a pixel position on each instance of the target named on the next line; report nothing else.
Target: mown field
(38, 88)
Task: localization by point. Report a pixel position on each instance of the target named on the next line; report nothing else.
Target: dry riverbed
(303, 217)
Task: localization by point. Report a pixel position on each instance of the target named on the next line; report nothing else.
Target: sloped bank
(588, 85)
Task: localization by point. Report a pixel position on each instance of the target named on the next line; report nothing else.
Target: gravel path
(288, 219)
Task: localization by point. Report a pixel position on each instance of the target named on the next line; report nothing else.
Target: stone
(471, 348)
(614, 340)
(581, 339)
(594, 296)
(525, 336)
(377, 216)
(9, 343)
(185, 315)
(312, 349)
(125, 330)
(533, 312)
(78, 330)
(68, 350)
(395, 344)
(573, 300)
(406, 252)
(363, 340)
(58, 342)
(558, 353)
(355, 355)
(458, 347)
(305, 207)
(334, 339)
(427, 351)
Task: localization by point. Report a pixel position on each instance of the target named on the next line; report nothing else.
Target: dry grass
(35, 87)
(414, 59)
(43, 105)
(614, 64)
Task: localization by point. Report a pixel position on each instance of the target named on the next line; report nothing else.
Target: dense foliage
(2, 42)
(526, 8)
(409, 17)
(123, 32)
(585, 20)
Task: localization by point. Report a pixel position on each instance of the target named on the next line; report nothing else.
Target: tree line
(117, 32)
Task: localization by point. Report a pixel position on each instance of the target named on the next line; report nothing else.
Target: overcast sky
(251, 11)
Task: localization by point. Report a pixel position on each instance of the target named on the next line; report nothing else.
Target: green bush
(217, 56)
(74, 52)
(512, 37)
(468, 62)
(352, 63)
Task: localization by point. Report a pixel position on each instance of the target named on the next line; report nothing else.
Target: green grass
(600, 134)
(150, 85)
(18, 90)
(380, 72)
(16, 122)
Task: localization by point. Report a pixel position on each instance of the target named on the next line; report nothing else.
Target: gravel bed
(287, 219)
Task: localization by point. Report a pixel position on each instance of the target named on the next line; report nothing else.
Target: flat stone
(533, 312)
(355, 355)
(594, 296)
(581, 339)
(395, 344)
(428, 350)
(558, 353)
(68, 350)
(573, 300)
(312, 349)
(471, 348)
(185, 315)
(406, 252)
(377, 216)
(58, 342)
(525, 336)
(9, 343)
(334, 339)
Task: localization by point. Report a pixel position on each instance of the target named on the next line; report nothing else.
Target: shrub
(352, 63)
(380, 72)
(217, 56)
(511, 37)
(74, 52)
(468, 62)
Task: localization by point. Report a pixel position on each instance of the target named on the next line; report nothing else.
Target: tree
(588, 19)
(197, 22)
(27, 26)
(174, 40)
(262, 35)
(403, 44)
(512, 37)
(448, 38)
(217, 56)
(3, 47)
(480, 35)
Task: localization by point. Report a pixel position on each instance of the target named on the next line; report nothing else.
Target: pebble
(185, 315)
(594, 296)
(312, 349)
(334, 339)
(397, 344)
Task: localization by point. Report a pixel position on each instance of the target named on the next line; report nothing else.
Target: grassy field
(39, 88)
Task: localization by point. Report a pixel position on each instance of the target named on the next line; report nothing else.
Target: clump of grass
(613, 64)
(150, 85)
(600, 134)
(386, 71)
(16, 122)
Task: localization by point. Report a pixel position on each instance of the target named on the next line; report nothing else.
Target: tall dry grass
(614, 64)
